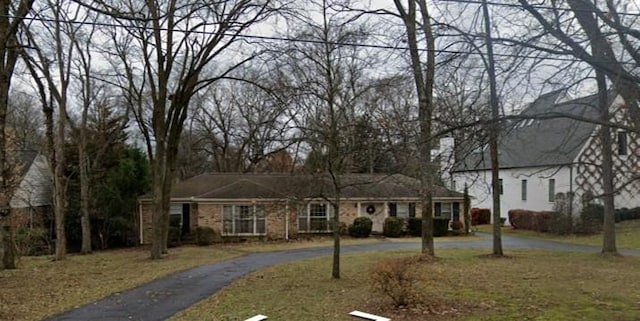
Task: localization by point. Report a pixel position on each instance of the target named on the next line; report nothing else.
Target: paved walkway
(165, 297)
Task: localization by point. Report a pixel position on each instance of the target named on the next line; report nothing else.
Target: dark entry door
(186, 218)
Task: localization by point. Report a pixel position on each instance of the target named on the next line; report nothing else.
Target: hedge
(414, 226)
(440, 227)
(539, 221)
(627, 214)
(480, 216)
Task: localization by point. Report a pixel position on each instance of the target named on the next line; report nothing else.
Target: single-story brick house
(283, 206)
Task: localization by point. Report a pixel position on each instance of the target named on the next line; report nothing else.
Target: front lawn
(460, 285)
(42, 288)
(627, 235)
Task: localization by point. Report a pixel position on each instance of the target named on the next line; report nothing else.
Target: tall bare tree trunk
(85, 221)
(11, 15)
(609, 228)
(159, 239)
(424, 87)
(335, 271)
(60, 184)
(494, 131)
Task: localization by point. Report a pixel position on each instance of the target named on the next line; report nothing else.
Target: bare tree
(494, 131)
(607, 40)
(326, 76)
(10, 17)
(50, 67)
(415, 16)
(171, 51)
(237, 127)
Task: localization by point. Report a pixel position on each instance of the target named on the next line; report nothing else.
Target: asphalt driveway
(162, 298)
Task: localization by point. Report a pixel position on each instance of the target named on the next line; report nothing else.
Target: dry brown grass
(461, 285)
(41, 287)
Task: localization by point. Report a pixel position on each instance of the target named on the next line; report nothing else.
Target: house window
(501, 187)
(315, 218)
(442, 210)
(622, 143)
(552, 190)
(175, 215)
(523, 190)
(243, 220)
(401, 210)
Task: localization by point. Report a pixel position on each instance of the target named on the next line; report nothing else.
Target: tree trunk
(10, 251)
(59, 186)
(493, 135)
(424, 87)
(85, 221)
(335, 270)
(467, 210)
(158, 241)
(609, 228)
(4, 168)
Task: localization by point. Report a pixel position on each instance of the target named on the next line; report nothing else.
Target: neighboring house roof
(543, 137)
(229, 186)
(34, 174)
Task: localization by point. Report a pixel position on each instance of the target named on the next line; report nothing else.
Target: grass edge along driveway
(460, 285)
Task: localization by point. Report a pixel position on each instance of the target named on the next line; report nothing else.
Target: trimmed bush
(539, 221)
(480, 216)
(456, 225)
(392, 227)
(361, 227)
(205, 236)
(440, 227)
(414, 226)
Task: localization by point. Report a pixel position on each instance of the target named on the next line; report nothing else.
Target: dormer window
(622, 143)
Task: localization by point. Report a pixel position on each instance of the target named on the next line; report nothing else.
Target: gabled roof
(542, 137)
(230, 186)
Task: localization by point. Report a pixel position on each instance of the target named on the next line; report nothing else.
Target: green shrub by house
(440, 227)
(414, 226)
(392, 227)
(361, 227)
(205, 235)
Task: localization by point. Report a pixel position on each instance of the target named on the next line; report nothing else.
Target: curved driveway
(162, 298)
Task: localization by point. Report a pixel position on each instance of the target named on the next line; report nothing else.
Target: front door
(377, 213)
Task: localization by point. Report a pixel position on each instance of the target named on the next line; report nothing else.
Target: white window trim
(328, 216)
(234, 217)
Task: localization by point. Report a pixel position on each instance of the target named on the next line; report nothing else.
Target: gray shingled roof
(280, 186)
(541, 142)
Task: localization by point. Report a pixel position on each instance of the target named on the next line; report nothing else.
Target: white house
(543, 158)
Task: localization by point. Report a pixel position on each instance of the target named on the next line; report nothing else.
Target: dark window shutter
(456, 211)
(393, 209)
(438, 208)
(412, 209)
